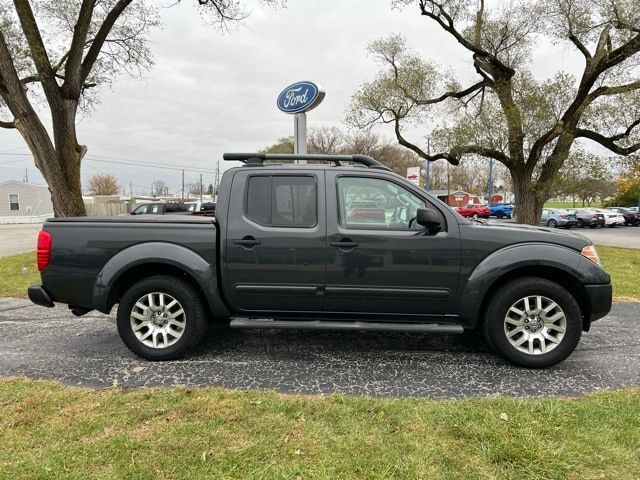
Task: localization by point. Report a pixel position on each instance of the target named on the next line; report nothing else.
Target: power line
(117, 161)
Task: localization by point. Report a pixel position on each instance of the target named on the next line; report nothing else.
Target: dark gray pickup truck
(341, 243)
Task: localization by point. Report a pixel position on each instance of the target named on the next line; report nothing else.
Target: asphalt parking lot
(619, 236)
(53, 344)
(18, 238)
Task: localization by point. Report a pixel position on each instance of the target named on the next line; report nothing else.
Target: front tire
(500, 215)
(533, 322)
(161, 317)
(552, 223)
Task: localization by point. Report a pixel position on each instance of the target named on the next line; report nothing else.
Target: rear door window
(282, 200)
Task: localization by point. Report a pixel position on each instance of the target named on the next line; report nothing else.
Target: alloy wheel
(535, 325)
(158, 320)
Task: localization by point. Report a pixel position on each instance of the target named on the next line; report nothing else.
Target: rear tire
(580, 223)
(544, 338)
(500, 215)
(168, 316)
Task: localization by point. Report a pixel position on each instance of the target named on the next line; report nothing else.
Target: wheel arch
(552, 262)
(554, 274)
(157, 258)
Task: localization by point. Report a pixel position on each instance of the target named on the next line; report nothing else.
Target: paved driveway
(18, 238)
(51, 343)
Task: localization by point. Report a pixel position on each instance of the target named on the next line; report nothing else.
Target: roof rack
(258, 159)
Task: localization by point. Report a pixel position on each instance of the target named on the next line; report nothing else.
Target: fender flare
(514, 257)
(171, 254)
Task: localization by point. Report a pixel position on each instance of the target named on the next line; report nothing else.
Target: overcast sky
(211, 93)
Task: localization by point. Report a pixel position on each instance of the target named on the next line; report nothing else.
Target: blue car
(501, 210)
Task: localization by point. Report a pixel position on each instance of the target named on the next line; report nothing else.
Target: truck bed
(84, 247)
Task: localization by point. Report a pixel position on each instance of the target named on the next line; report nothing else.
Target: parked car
(207, 209)
(501, 210)
(631, 217)
(282, 252)
(588, 218)
(161, 208)
(474, 211)
(611, 219)
(558, 217)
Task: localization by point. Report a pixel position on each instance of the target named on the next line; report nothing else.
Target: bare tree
(56, 53)
(159, 187)
(506, 114)
(103, 184)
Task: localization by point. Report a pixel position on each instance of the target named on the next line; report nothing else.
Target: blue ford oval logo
(300, 97)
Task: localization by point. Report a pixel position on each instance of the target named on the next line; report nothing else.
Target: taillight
(564, 216)
(44, 249)
(590, 252)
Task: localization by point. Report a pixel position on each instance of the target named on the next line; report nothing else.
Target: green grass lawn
(51, 431)
(17, 273)
(578, 204)
(623, 264)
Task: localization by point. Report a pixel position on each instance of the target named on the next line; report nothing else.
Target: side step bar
(448, 328)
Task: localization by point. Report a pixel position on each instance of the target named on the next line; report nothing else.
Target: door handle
(247, 241)
(345, 243)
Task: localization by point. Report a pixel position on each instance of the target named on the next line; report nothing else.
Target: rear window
(175, 207)
(282, 200)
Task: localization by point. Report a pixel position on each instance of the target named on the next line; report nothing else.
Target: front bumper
(599, 297)
(39, 296)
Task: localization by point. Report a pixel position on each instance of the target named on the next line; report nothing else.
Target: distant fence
(25, 218)
(107, 209)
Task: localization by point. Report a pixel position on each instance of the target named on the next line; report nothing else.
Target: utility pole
(200, 188)
(427, 174)
(26, 175)
(448, 181)
(182, 183)
(215, 187)
(131, 189)
(490, 185)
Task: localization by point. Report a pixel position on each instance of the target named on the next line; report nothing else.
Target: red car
(475, 211)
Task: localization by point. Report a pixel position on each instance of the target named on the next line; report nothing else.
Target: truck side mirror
(429, 218)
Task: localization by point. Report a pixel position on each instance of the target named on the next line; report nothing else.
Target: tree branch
(7, 124)
(615, 90)
(536, 149)
(457, 95)
(455, 154)
(38, 50)
(609, 142)
(446, 22)
(73, 68)
(580, 46)
(96, 46)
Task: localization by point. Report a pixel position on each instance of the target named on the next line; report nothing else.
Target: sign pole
(300, 135)
(427, 176)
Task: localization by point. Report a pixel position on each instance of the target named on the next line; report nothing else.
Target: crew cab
(340, 244)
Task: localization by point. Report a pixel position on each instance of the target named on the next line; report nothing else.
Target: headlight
(591, 253)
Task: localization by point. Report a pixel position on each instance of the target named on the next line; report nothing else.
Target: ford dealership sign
(300, 97)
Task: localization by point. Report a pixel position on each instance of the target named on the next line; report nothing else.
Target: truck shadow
(294, 343)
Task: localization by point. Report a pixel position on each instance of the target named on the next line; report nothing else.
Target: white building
(22, 202)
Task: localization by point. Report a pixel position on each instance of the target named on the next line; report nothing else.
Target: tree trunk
(59, 164)
(528, 204)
